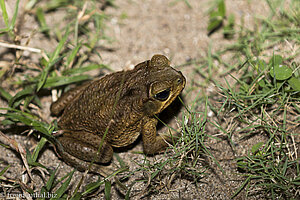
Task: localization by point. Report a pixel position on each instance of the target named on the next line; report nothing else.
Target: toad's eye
(163, 95)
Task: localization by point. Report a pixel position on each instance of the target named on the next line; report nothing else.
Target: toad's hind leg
(80, 148)
(82, 165)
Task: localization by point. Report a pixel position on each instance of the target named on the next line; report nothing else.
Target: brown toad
(122, 105)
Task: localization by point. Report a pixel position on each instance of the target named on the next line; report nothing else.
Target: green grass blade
(28, 100)
(64, 80)
(30, 4)
(45, 73)
(4, 13)
(27, 119)
(31, 162)
(13, 21)
(72, 55)
(81, 70)
(93, 186)
(241, 187)
(42, 21)
(59, 46)
(107, 190)
(53, 60)
(77, 196)
(38, 148)
(4, 170)
(51, 179)
(5, 94)
(22, 93)
(127, 196)
(63, 188)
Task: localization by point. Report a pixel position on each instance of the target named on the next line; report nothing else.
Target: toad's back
(115, 99)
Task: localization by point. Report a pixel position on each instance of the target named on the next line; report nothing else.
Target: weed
(265, 100)
(70, 57)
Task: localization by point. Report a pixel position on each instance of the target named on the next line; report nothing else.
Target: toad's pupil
(179, 80)
(163, 95)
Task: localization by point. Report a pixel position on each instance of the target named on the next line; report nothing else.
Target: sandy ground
(160, 26)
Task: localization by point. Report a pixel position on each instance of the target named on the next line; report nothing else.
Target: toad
(114, 110)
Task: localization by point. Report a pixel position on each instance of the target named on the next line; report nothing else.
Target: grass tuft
(67, 64)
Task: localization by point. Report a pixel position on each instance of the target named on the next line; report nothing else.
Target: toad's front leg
(153, 143)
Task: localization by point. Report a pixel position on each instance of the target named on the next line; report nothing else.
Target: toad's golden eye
(163, 95)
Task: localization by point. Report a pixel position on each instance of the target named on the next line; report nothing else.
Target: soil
(166, 27)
